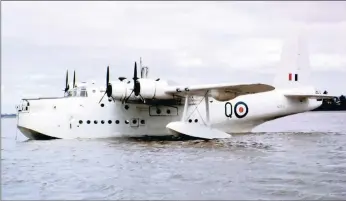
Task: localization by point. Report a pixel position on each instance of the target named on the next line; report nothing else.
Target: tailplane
(317, 95)
(294, 67)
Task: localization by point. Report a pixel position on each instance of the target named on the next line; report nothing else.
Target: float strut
(183, 118)
(206, 99)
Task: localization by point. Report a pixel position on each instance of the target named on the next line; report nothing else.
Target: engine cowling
(149, 89)
(152, 89)
(119, 90)
(221, 95)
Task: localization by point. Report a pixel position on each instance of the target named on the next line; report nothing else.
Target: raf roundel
(241, 109)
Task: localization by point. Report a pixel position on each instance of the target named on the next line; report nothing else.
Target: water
(297, 157)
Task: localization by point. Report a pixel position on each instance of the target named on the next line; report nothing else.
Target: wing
(230, 88)
(312, 96)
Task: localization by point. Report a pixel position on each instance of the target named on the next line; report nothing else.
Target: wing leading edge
(238, 89)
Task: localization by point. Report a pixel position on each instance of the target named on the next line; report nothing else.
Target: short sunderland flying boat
(141, 107)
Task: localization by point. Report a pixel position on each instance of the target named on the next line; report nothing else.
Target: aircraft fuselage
(84, 117)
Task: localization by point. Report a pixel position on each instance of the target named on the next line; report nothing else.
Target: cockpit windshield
(77, 92)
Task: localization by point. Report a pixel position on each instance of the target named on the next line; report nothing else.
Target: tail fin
(294, 69)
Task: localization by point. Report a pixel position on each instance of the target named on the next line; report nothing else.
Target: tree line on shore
(336, 104)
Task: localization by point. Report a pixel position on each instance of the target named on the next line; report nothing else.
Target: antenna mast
(144, 69)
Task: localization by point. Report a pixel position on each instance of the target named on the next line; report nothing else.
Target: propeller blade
(102, 97)
(107, 78)
(66, 78)
(66, 83)
(127, 99)
(107, 84)
(74, 79)
(135, 73)
(142, 98)
(136, 84)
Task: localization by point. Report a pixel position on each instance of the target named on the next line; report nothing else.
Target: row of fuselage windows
(134, 121)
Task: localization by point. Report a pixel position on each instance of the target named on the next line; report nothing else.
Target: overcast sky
(189, 42)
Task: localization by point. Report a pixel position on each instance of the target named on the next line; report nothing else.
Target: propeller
(108, 86)
(74, 79)
(67, 86)
(136, 85)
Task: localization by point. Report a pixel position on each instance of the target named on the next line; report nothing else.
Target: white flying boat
(142, 107)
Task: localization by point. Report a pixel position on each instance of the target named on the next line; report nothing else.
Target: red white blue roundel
(241, 109)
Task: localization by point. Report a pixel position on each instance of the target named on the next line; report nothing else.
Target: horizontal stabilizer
(196, 130)
(312, 96)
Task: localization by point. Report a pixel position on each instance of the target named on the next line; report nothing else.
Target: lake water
(298, 157)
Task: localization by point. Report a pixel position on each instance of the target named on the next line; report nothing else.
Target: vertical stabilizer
(294, 68)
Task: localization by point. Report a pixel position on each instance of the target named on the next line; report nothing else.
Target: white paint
(196, 130)
(61, 117)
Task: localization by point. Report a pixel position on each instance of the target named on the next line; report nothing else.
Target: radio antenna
(144, 69)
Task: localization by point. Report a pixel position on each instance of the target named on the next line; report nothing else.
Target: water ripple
(279, 164)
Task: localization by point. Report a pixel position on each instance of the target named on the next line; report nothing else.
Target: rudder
(294, 67)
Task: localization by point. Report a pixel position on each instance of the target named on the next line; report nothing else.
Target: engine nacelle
(151, 89)
(222, 96)
(119, 90)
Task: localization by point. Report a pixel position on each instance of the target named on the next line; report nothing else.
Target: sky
(188, 42)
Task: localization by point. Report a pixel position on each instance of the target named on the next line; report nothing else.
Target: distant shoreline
(8, 115)
(336, 104)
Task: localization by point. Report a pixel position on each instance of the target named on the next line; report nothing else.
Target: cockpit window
(77, 92)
